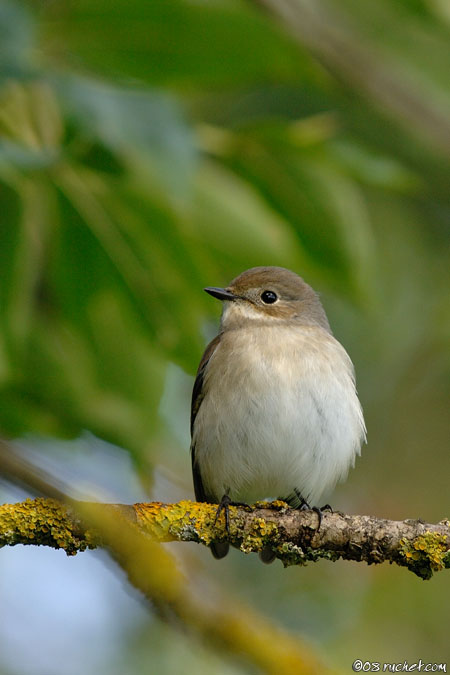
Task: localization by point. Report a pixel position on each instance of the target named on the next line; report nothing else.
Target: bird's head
(269, 295)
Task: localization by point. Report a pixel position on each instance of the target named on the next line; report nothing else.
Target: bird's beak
(221, 293)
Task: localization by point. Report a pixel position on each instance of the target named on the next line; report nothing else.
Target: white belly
(279, 414)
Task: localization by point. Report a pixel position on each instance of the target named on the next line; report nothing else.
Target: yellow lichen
(184, 520)
(260, 533)
(275, 505)
(197, 522)
(426, 553)
(41, 521)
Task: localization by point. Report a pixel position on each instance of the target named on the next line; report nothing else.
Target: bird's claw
(304, 506)
(224, 506)
(327, 507)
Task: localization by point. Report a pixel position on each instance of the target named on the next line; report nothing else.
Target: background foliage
(148, 149)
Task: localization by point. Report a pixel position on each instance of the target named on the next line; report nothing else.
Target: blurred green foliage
(148, 149)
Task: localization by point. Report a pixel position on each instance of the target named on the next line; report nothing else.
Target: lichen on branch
(44, 522)
(293, 535)
(131, 533)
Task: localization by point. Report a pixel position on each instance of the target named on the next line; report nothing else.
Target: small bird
(274, 407)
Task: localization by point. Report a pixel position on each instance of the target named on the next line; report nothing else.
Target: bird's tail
(220, 549)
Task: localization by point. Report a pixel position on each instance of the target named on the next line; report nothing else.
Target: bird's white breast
(280, 412)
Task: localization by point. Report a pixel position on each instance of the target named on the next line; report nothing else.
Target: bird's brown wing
(198, 395)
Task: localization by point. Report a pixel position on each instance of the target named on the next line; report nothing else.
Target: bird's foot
(304, 506)
(327, 507)
(224, 506)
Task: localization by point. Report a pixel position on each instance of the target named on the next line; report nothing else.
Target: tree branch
(223, 622)
(421, 547)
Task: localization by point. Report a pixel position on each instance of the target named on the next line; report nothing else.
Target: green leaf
(246, 232)
(138, 126)
(23, 158)
(175, 42)
(23, 230)
(16, 40)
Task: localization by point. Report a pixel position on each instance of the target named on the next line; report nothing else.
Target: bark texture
(293, 536)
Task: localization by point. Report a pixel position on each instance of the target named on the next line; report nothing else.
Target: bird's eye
(269, 297)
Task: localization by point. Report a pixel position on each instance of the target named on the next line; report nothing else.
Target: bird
(275, 412)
